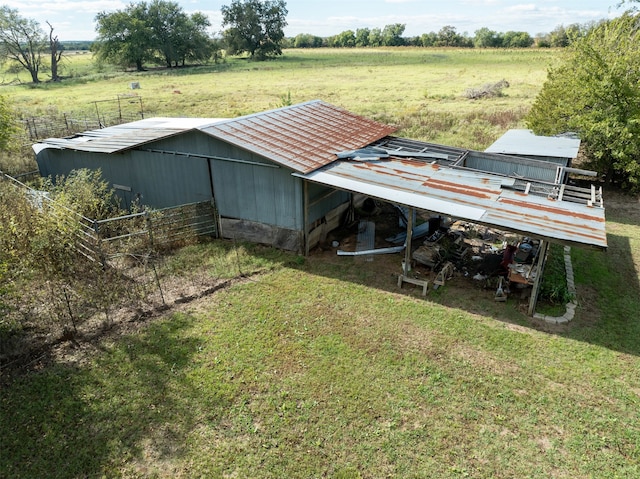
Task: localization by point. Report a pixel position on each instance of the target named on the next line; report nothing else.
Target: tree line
(392, 36)
(160, 32)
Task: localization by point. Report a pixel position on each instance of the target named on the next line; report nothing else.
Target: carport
(434, 178)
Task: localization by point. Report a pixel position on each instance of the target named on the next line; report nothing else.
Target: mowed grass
(308, 371)
(323, 367)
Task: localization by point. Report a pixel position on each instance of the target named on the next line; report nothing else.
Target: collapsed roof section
(510, 193)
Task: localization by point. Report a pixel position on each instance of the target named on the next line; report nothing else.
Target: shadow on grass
(608, 297)
(134, 401)
(607, 282)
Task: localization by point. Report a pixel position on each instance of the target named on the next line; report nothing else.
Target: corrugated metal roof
(118, 138)
(303, 137)
(478, 197)
(525, 142)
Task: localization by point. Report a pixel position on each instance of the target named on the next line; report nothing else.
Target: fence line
(100, 239)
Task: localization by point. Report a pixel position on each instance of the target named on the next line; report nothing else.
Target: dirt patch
(180, 294)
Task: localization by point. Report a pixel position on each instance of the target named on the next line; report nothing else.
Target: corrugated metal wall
(530, 169)
(161, 174)
(157, 180)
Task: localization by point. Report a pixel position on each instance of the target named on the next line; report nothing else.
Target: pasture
(419, 90)
(321, 366)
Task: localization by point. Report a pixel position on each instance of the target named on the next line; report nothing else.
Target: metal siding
(166, 180)
(510, 166)
(256, 193)
(524, 142)
(320, 208)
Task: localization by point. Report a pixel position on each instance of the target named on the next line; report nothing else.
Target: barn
(286, 177)
(245, 165)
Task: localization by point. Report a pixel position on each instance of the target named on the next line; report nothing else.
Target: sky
(75, 19)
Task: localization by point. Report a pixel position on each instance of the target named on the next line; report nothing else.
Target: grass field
(420, 90)
(321, 367)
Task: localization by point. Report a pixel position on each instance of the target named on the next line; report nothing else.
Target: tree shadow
(133, 401)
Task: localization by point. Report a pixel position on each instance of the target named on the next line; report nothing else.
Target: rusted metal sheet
(118, 138)
(302, 137)
(475, 196)
(526, 143)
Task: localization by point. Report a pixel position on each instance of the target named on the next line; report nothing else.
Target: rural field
(321, 366)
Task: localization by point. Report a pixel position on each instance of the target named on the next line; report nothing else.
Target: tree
(428, 39)
(22, 40)
(176, 35)
(124, 37)
(195, 44)
(595, 92)
(346, 39)
(159, 32)
(485, 38)
(375, 37)
(56, 49)
(255, 27)
(392, 35)
(449, 37)
(362, 37)
(8, 126)
(513, 39)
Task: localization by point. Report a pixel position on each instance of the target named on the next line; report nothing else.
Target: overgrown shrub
(553, 288)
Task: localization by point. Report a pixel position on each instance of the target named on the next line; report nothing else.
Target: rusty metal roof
(479, 197)
(123, 137)
(303, 137)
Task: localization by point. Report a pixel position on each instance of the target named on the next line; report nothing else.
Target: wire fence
(101, 114)
(110, 265)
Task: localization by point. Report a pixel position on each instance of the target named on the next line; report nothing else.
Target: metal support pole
(407, 253)
(306, 216)
(542, 259)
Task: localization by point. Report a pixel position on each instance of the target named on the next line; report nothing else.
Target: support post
(407, 251)
(542, 259)
(404, 277)
(305, 215)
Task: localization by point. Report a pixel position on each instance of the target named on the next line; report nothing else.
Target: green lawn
(324, 369)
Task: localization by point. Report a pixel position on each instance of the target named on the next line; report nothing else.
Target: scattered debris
(488, 90)
(445, 274)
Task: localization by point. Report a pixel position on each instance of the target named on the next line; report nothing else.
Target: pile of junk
(443, 247)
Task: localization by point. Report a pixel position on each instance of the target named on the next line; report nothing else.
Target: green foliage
(554, 280)
(159, 32)
(8, 125)
(449, 37)
(486, 38)
(596, 92)
(124, 37)
(305, 40)
(85, 193)
(22, 41)
(41, 238)
(255, 27)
